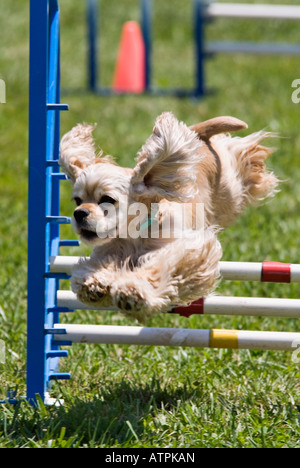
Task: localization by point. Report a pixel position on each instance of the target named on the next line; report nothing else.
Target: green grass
(150, 396)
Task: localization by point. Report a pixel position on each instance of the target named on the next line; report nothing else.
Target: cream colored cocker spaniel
(154, 228)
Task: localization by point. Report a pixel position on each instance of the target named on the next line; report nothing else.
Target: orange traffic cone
(130, 68)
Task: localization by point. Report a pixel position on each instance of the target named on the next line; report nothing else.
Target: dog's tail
(244, 173)
(250, 155)
(225, 124)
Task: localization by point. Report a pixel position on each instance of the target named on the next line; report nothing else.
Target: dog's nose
(79, 215)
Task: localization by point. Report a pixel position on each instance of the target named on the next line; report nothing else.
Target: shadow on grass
(119, 416)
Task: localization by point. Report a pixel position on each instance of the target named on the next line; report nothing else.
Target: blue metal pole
(199, 6)
(52, 186)
(92, 12)
(43, 204)
(37, 198)
(146, 23)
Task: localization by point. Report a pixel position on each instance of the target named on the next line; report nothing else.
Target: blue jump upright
(43, 205)
(44, 217)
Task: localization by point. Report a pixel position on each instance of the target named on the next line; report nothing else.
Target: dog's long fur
(202, 164)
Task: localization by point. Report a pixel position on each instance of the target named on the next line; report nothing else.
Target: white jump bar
(124, 335)
(242, 10)
(228, 47)
(234, 271)
(243, 306)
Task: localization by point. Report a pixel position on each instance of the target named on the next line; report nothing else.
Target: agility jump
(46, 302)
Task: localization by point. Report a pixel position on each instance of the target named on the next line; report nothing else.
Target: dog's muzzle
(80, 215)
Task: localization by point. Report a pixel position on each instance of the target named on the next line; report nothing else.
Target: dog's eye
(78, 201)
(107, 199)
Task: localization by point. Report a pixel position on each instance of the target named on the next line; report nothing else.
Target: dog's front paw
(129, 301)
(132, 304)
(92, 291)
(136, 299)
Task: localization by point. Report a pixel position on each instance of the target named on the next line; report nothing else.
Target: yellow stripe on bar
(223, 339)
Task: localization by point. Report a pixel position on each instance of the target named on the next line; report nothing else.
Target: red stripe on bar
(196, 308)
(274, 272)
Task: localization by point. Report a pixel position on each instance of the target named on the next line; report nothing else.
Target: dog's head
(107, 195)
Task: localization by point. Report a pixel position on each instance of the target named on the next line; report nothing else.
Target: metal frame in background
(94, 66)
(215, 10)
(204, 11)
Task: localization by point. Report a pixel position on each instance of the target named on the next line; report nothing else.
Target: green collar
(146, 224)
(148, 221)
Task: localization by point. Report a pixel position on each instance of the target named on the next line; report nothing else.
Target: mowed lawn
(129, 396)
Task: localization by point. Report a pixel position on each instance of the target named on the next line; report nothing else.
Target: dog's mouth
(89, 235)
(92, 235)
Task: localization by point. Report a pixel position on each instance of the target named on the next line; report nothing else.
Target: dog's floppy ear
(166, 163)
(77, 150)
